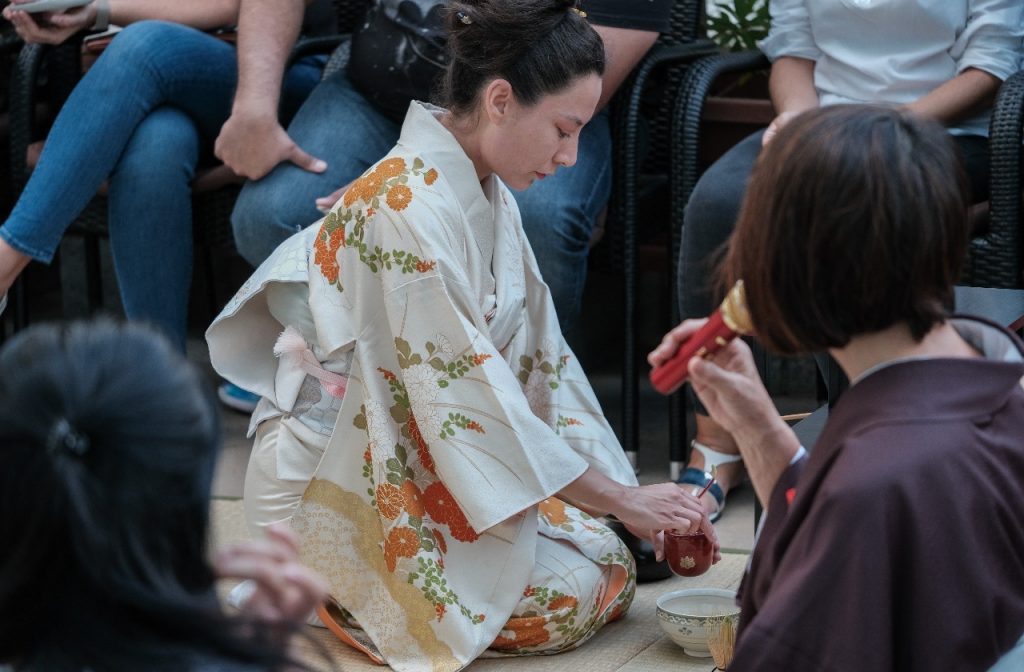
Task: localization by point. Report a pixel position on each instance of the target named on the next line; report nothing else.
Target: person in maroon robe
(898, 543)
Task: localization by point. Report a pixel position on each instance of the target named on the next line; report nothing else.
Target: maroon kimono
(898, 544)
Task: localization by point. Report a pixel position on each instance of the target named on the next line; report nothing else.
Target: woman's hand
(777, 125)
(728, 384)
(286, 590)
(647, 510)
(673, 340)
(49, 27)
(730, 387)
(325, 203)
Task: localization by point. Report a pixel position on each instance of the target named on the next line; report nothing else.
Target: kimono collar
(934, 387)
(991, 341)
(425, 136)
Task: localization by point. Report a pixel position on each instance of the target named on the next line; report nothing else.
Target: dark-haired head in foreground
(107, 448)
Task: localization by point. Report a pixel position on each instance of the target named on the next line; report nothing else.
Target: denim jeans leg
(336, 124)
(151, 221)
(149, 64)
(559, 215)
(708, 220)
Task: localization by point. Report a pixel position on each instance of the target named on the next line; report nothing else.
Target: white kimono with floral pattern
(431, 511)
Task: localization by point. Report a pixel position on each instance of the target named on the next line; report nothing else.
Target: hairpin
(579, 11)
(64, 437)
(463, 18)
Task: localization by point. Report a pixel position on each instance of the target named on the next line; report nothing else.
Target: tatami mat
(633, 644)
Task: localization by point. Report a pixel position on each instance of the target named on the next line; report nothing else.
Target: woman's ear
(498, 101)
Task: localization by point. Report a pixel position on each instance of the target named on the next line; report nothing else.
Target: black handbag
(399, 54)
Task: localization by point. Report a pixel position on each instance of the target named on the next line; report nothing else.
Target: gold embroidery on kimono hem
(419, 612)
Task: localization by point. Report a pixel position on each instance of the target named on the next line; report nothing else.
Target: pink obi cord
(291, 344)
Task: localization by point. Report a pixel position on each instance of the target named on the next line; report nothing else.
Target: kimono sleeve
(494, 455)
(829, 604)
(554, 383)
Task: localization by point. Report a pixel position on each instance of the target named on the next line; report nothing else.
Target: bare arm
(623, 49)
(646, 510)
(267, 30)
(664, 506)
(791, 86)
(252, 141)
(202, 14)
(968, 93)
(55, 28)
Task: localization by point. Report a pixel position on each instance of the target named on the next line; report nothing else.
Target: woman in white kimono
(424, 426)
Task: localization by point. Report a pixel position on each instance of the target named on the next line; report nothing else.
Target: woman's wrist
(595, 492)
(99, 13)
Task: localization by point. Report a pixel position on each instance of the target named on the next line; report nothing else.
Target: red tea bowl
(688, 553)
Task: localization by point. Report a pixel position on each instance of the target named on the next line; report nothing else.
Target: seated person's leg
(335, 124)
(709, 219)
(151, 63)
(565, 586)
(150, 214)
(559, 213)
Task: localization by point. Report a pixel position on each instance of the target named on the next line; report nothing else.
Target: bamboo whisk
(721, 640)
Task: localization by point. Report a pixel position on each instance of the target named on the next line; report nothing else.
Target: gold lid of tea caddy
(734, 310)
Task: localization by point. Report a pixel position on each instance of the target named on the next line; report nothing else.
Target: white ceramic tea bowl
(683, 614)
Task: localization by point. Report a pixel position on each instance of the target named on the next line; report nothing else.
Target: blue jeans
(143, 117)
(338, 125)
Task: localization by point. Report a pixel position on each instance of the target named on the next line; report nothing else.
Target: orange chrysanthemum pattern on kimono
(414, 505)
(443, 508)
(386, 183)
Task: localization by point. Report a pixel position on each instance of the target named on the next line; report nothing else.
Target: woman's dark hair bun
(538, 46)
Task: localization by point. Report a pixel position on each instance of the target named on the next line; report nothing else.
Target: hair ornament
(64, 437)
(579, 11)
(463, 18)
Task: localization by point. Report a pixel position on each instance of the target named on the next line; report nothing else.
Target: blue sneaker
(236, 398)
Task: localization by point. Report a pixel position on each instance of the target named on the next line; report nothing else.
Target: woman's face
(524, 144)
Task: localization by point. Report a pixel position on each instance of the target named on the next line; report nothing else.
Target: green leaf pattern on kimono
(412, 501)
(346, 226)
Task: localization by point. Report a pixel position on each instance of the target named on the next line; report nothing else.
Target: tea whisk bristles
(721, 639)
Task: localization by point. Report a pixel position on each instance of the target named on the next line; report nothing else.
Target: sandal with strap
(697, 478)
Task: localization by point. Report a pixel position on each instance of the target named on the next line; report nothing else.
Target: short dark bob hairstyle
(855, 219)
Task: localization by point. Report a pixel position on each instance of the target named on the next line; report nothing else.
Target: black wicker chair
(60, 68)
(645, 99)
(995, 253)
(994, 257)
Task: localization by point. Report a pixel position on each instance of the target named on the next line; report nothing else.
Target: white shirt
(895, 51)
